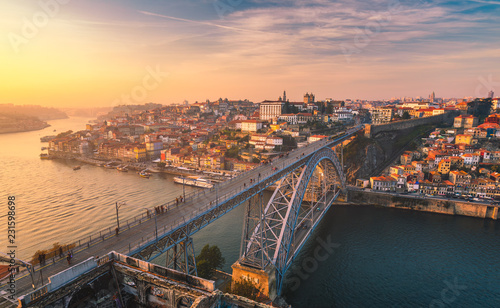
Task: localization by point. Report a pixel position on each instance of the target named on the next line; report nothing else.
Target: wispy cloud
(408, 46)
(197, 22)
(486, 2)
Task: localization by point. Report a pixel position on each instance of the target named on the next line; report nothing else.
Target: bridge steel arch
(274, 234)
(176, 240)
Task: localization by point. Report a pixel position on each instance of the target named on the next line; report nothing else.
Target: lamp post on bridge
(183, 190)
(117, 206)
(156, 225)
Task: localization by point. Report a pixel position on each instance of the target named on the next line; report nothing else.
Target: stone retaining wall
(411, 202)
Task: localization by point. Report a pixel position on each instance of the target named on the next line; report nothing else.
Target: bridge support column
(142, 293)
(181, 257)
(265, 280)
(368, 129)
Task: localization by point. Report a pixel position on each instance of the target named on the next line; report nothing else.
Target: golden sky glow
(99, 53)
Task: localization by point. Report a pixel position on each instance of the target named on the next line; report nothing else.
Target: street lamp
(156, 225)
(118, 205)
(183, 190)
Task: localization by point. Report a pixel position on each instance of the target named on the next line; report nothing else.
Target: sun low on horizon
(63, 53)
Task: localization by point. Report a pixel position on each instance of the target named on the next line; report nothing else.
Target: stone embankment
(150, 166)
(433, 205)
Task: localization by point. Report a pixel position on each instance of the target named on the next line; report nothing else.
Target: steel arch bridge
(275, 232)
(308, 180)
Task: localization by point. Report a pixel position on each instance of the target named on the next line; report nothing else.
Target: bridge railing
(210, 206)
(104, 234)
(189, 217)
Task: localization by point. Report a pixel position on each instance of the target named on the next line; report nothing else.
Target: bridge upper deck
(179, 222)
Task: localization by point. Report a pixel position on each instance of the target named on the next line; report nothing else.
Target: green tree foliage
(329, 109)
(255, 160)
(262, 131)
(480, 107)
(288, 108)
(319, 125)
(289, 142)
(161, 164)
(495, 168)
(247, 288)
(245, 139)
(406, 115)
(64, 134)
(233, 152)
(209, 259)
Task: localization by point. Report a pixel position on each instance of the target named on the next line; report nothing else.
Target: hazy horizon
(101, 54)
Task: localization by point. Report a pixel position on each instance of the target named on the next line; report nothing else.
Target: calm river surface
(380, 257)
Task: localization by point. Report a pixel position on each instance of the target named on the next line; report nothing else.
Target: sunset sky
(103, 52)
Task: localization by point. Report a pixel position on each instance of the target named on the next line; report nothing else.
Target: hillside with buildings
(237, 135)
(19, 123)
(461, 161)
(14, 118)
(36, 111)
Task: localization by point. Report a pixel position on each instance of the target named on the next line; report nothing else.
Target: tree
(233, 152)
(329, 109)
(289, 142)
(319, 125)
(245, 139)
(255, 160)
(480, 108)
(287, 108)
(64, 134)
(406, 115)
(161, 164)
(209, 259)
(262, 130)
(245, 287)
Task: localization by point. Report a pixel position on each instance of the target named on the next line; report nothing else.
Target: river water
(378, 257)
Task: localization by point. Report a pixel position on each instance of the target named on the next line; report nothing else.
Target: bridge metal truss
(169, 240)
(274, 233)
(183, 233)
(181, 257)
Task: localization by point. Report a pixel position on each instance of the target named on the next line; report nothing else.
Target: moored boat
(122, 168)
(144, 174)
(47, 138)
(44, 156)
(197, 181)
